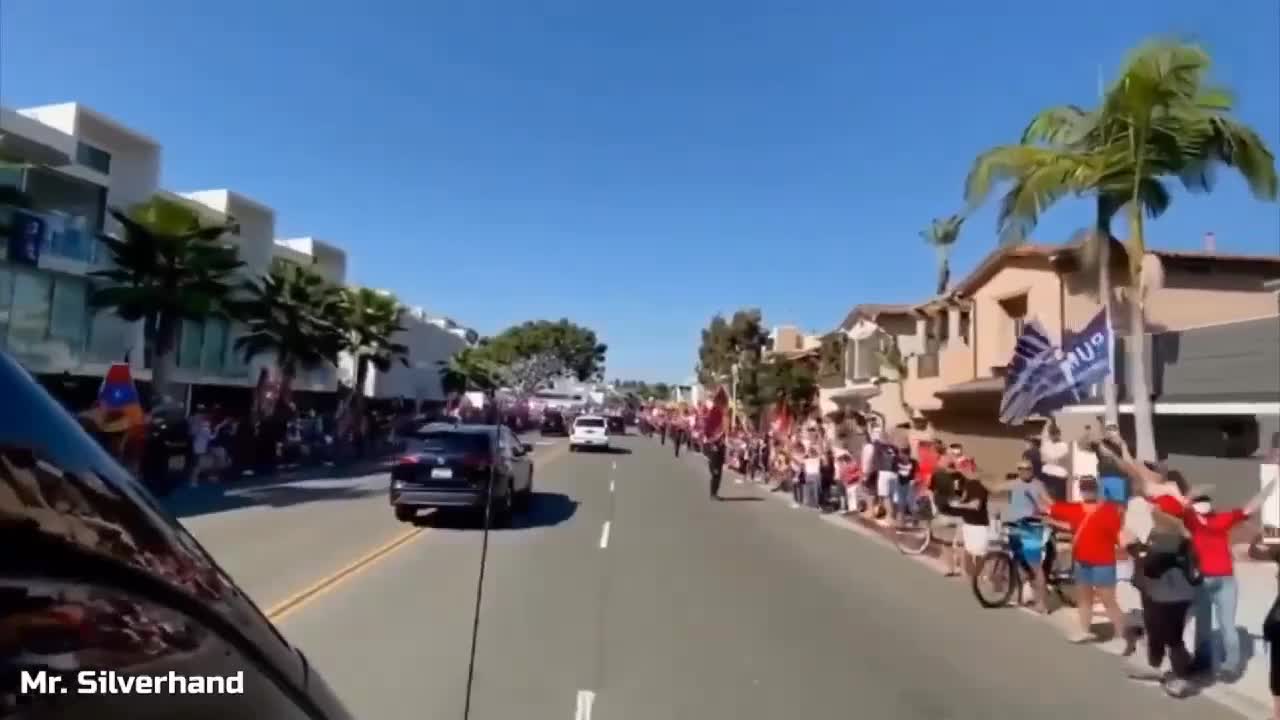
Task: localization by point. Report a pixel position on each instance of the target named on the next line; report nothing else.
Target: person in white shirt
(201, 436)
(1055, 457)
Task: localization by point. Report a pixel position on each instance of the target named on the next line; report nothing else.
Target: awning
(981, 386)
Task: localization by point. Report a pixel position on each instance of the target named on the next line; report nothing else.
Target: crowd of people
(1123, 513)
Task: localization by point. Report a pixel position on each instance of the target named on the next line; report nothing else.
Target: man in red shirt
(1098, 528)
(1219, 593)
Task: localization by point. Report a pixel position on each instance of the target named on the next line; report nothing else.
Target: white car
(589, 431)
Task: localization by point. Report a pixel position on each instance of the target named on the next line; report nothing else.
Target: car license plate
(176, 464)
(441, 473)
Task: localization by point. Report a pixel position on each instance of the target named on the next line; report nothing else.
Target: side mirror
(526, 448)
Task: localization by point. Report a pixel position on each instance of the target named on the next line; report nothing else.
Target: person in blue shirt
(1027, 531)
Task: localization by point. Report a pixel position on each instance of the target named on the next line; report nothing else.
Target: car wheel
(405, 513)
(503, 512)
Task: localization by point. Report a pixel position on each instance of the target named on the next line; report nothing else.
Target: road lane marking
(604, 535)
(610, 486)
(615, 464)
(586, 699)
(283, 608)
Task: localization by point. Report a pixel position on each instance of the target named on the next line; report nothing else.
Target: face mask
(1202, 508)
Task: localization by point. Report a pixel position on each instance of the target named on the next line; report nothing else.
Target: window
(1019, 324)
(69, 313)
(214, 352)
(110, 337)
(93, 157)
(29, 312)
(190, 341)
(966, 321)
(74, 211)
(1015, 308)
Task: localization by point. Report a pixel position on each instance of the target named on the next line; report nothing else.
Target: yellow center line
(283, 608)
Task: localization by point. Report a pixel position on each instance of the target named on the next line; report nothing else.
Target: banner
(1043, 377)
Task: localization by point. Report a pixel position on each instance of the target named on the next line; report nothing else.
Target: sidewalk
(1249, 695)
(194, 500)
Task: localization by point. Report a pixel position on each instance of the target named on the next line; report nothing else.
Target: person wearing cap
(1098, 528)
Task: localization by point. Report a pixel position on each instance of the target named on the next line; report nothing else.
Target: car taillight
(408, 460)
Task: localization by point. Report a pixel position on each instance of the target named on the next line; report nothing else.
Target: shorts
(1095, 575)
(977, 538)
(903, 494)
(1027, 543)
(885, 482)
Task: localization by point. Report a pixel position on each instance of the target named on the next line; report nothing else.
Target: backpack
(1166, 553)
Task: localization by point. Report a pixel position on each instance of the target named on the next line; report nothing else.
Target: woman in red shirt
(1098, 528)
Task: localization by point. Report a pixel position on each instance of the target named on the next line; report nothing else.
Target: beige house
(967, 336)
(858, 375)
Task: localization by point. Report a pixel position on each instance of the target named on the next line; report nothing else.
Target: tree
(890, 355)
(576, 347)
(791, 383)
(372, 321)
(526, 375)
(1160, 119)
(469, 369)
(299, 318)
(169, 267)
(942, 235)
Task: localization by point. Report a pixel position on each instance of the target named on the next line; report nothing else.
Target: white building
(328, 261)
(74, 163)
(431, 341)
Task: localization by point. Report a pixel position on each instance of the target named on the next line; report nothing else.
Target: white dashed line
(610, 486)
(585, 700)
(604, 535)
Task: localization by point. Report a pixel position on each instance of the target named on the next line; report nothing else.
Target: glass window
(74, 210)
(214, 352)
(110, 337)
(68, 317)
(93, 157)
(190, 342)
(29, 313)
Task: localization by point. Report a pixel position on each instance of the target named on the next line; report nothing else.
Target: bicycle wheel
(996, 580)
(913, 537)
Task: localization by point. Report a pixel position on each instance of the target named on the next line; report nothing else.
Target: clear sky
(633, 166)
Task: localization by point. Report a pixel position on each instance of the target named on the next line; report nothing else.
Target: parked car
(463, 466)
(553, 423)
(108, 581)
(589, 431)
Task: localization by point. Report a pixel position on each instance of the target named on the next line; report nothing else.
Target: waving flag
(1043, 377)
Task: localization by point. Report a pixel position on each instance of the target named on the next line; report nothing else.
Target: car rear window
(451, 441)
(589, 422)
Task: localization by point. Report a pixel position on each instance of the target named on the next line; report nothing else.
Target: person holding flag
(714, 442)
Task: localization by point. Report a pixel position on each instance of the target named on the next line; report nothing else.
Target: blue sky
(633, 166)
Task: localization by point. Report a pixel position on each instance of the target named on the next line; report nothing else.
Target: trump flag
(1043, 378)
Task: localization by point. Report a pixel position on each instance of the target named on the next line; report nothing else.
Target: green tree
(168, 267)
(576, 347)
(297, 317)
(469, 369)
(1161, 119)
(373, 319)
(942, 235)
(790, 382)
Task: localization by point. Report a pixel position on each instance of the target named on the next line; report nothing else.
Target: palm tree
(468, 369)
(1160, 119)
(942, 235)
(169, 267)
(373, 319)
(296, 316)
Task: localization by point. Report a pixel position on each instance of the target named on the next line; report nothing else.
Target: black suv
(553, 423)
(616, 425)
(456, 466)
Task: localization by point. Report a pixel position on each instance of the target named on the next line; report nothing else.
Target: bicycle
(999, 575)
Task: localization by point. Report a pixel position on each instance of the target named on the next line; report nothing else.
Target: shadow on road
(742, 498)
(546, 509)
(611, 450)
(192, 502)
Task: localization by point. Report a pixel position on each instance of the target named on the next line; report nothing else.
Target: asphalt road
(683, 609)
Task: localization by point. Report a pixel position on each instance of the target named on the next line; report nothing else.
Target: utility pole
(733, 396)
